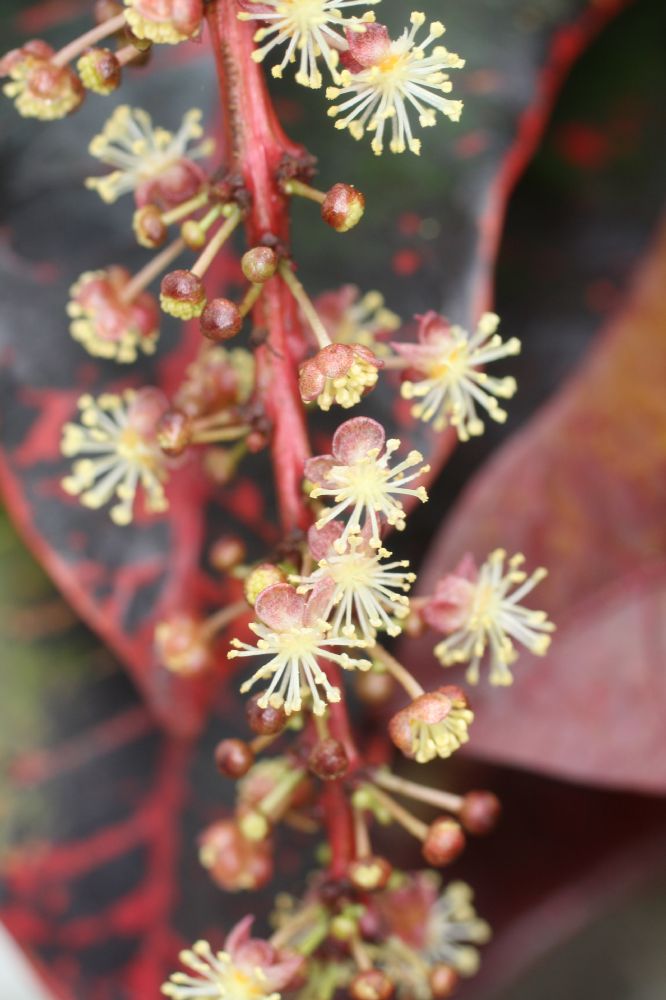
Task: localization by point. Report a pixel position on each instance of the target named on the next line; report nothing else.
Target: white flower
(367, 593)
(293, 634)
(359, 478)
(310, 28)
(453, 928)
(388, 80)
(452, 386)
(142, 152)
(117, 439)
(479, 612)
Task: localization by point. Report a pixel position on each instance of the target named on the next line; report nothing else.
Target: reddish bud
(233, 758)
(227, 553)
(373, 984)
(259, 264)
(99, 71)
(265, 721)
(193, 233)
(256, 441)
(174, 433)
(369, 874)
(233, 861)
(343, 207)
(443, 981)
(182, 644)
(328, 759)
(182, 294)
(220, 320)
(480, 812)
(444, 841)
(149, 229)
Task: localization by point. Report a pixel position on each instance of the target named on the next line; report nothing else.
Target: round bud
(444, 841)
(328, 759)
(374, 687)
(259, 264)
(104, 10)
(262, 576)
(227, 553)
(220, 320)
(254, 825)
(174, 433)
(480, 812)
(233, 758)
(265, 721)
(149, 229)
(369, 874)
(193, 233)
(99, 71)
(234, 862)
(343, 207)
(182, 294)
(373, 984)
(443, 980)
(343, 927)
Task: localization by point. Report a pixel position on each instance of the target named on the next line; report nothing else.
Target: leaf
(121, 581)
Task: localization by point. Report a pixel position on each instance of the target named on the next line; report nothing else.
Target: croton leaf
(121, 580)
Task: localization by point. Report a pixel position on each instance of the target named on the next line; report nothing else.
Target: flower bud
(434, 725)
(182, 644)
(262, 576)
(443, 980)
(99, 71)
(372, 984)
(182, 294)
(233, 861)
(174, 433)
(227, 553)
(165, 21)
(148, 227)
(338, 373)
(328, 759)
(104, 10)
(220, 320)
(193, 234)
(259, 264)
(265, 721)
(480, 812)
(233, 758)
(254, 825)
(343, 927)
(369, 874)
(374, 687)
(343, 207)
(444, 842)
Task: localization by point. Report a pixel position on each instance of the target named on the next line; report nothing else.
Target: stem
(152, 269)
(215, 244)
(397, 671)
(96, 34)
(186, 207)
(305, 303)
(361, 835)
(304, 190)
(127, 54)
(411, 823)
(224, 617)
(250, 298)
(420, 793)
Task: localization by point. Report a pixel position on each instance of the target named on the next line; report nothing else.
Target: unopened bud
(369, 874)
(104, 10)
(227, 553)
(262, 576)
(259, 264)
(265, 721)
(374, 687)
(99, 71)
(148, 227)
(182, 294)
(328, 759)
(372, 984)
(193, 233)
(343, 927)
(174, 433)
(343, 207)
(182, 644)
(444, 841)
(480, 812)
(220, 320)
(233, 861)
(233, 758)
(254, 826)
(443, 980)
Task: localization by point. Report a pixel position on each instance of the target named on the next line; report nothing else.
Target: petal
(370, 46)
(355, 438)
(280, 607)
(238, 935)
(335, 360)
(320, 540)
(319, 600)
(449, 607)
(317, 469)
(433, 328)
(311, 381)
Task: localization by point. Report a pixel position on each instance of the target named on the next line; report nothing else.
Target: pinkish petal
(238, 935)
(319, 600)
(355, 438)
(433, 328)
(280, 607)
(449, 608)
(334, 360)
(311, 381)
(467, 568)
(320, 540)
(317, 469)
(281, 974)
(370, 46)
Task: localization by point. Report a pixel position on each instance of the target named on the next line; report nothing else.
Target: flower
(359, 478)
(452, 386)
(183, 644)
(367, 593)
(234, 862)
(154, 163)
(218, 379)
(39, 87)
(293, 633)
(117, 437)
(338, 373)
(164, 21)
(108, 325)
(352, 318)
(246, 969)
(310, 27)
(385, 79)
(434, 725)
(478, 611)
